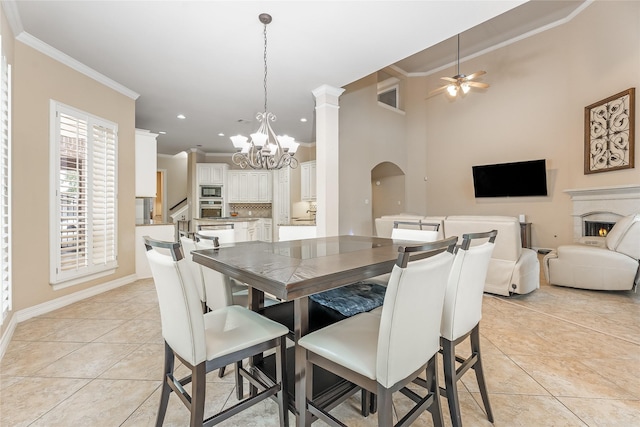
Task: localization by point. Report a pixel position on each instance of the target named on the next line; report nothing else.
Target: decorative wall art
(609, 133)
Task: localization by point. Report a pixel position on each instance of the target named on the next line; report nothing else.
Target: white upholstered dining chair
(381, 353)
(461, 316)
(205, 342)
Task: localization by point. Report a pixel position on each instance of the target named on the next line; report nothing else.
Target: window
(83, 217)
(5, 187)
(389, 93)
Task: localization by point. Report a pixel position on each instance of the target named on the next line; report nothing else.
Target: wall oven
(211, 208)
(207, 191)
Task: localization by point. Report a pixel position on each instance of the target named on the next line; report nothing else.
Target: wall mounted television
(515, 179)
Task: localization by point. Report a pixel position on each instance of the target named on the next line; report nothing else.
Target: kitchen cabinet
(146, 148)
(264, 229)
(249, 187)
(211, 173)
(308, 181)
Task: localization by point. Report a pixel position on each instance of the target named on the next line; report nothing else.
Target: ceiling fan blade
(476, 74)
(478, 84)
(449, 79)
(440, 89)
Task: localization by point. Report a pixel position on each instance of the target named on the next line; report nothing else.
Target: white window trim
(6, 285)
(65, 279)
(388, 85)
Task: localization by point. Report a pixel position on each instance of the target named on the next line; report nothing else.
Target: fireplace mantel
(630, 191)
(602, 204)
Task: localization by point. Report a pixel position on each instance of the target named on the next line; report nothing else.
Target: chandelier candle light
(265, 150)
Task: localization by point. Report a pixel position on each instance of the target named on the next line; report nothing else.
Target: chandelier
(265, 150)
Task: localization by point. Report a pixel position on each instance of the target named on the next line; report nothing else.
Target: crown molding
(65, 59)
(13, 16)
(531, 33)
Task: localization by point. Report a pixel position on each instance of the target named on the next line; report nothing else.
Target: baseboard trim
(64, 301)
(6, 337)
(49, 306)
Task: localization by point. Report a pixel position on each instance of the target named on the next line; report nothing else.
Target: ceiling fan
(460, 83)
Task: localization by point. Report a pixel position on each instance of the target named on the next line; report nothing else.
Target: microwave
(211, 208)
(207, 191)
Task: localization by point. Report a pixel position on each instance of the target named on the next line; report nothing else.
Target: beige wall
(533, 109)
(37, 79)
(369, 135)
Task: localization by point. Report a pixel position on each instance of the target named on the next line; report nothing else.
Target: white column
(327, 160)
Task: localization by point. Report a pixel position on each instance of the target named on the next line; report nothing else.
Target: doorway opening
(387, 190)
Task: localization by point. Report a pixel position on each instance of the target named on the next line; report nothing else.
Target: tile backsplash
(256, 210)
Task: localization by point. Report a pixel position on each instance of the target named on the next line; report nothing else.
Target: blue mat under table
(352, 299)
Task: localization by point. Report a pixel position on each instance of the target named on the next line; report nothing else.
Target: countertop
(230, 219)
(155, 223)
(298, 223)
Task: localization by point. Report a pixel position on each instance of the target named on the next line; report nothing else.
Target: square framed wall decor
(609, 127)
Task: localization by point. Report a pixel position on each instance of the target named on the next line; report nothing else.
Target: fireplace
(596, 210)
(597, 228)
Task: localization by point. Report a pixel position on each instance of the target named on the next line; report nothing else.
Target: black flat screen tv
(515, 179)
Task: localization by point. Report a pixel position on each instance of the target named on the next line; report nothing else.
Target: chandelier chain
(265, 67)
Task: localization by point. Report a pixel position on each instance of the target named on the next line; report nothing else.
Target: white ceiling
(204, 58)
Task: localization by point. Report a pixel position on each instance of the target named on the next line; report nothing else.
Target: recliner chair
(614, 267)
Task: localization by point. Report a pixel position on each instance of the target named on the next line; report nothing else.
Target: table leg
(300, 328)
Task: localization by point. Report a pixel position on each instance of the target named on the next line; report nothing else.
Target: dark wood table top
(298, 268)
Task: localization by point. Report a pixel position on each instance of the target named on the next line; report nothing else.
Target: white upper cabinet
(146, 163)
(308, 180)
(211, 173)
(249, 187)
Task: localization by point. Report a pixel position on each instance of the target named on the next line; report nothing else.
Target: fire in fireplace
(597, 228)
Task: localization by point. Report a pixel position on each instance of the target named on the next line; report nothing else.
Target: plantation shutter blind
(5, 188)
(85, 195)
(103, 204)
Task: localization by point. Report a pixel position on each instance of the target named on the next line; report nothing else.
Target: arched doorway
(387, 190)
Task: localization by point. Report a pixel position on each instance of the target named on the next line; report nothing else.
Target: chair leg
(434, 390)
(198, 384)
(239, 383)
(281, 377)
(385, 407)
(449, 361)
(475, 349)
(365, 407)
(221, 372)
(169, 361)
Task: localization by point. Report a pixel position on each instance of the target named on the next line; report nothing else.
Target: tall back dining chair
(461, 317)
(417, 231)
(205, 342)
(383, 353)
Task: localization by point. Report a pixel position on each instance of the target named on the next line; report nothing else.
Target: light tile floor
(556, 357)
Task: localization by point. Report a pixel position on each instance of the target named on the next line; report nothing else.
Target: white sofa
(612, 267)
(513, 269)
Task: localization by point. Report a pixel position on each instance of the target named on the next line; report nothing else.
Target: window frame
(58, 278)
(6, 259)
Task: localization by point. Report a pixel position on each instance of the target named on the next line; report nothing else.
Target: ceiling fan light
(452, 89)
(465, 87)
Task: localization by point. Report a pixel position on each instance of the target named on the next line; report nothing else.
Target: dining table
(293, 270)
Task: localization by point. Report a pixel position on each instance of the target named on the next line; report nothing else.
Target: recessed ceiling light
(303, 120)
(221, 134)
(182, 116)
(161, 132)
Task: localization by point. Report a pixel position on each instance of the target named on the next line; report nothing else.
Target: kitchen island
(300, 228)
(245, 228)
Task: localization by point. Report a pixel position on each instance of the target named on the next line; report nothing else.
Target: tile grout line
(564, 320)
